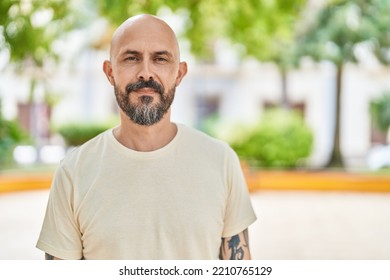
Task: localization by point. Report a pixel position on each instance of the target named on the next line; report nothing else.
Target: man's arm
(50, 257)
(235, 247)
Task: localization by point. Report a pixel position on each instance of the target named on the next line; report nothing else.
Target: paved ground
(291, 225)
(321, 225)
(21, 216)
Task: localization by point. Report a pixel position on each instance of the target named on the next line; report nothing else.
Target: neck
(145, 138)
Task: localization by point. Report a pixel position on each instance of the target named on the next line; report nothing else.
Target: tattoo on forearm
(237, 253)
(236, 246)
(48, 257)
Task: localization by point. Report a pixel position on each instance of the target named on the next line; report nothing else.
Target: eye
(160, 59)
(131, 58)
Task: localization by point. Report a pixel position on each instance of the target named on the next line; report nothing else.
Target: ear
(107, 69)
(181, 73)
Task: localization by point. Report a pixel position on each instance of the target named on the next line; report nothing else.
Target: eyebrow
(163, 53)
(133, 52)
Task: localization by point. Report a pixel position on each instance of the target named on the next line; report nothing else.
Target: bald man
(148, 188)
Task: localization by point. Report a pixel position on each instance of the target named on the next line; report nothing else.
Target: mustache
(145, 84)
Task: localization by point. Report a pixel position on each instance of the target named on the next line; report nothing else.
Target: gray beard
(144, 112)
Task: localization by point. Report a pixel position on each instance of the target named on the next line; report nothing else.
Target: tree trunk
(34, 115)
(284, 99)
(336, 159)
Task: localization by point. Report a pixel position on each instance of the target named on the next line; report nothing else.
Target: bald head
(144, 28)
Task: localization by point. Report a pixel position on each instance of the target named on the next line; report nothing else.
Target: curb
(256, 180)
(14, 183)
(316, 181)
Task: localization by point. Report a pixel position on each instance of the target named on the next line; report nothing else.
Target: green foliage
(265, 28)
(281, 139)
(380, 112)
(77, 134)
(10, 134)
(28, 29)
(117, 11)
(342, 25)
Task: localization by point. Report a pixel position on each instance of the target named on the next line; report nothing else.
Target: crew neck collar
(144, 155)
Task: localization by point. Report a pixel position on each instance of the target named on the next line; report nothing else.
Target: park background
(300, 89)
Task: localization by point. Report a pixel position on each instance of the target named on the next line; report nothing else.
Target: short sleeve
(60, 235)
(239, 213)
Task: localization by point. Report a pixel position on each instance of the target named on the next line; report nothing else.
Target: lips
(146, 87)
(146, 90)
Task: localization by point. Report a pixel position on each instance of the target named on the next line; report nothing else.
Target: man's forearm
(235, 247)
(50, 257)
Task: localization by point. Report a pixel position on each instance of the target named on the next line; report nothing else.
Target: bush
(281, 139)
(380, 112)
(10, 134)
(77, 134)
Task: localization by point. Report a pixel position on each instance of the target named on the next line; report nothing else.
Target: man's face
(144, 70)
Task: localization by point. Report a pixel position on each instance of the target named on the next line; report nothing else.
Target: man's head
(144, 68)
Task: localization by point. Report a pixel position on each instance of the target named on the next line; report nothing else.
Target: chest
(153, 206)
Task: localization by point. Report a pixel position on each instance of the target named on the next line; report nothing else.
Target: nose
(145, 72)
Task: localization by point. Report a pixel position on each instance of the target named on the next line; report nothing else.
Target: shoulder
(199, 138)
(89, 150)
(201, 145)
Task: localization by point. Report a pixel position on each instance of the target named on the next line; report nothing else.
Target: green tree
(267, 31)
(28, 30)
(337, 30)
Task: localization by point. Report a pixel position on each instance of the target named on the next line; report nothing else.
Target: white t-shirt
(111, 202)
